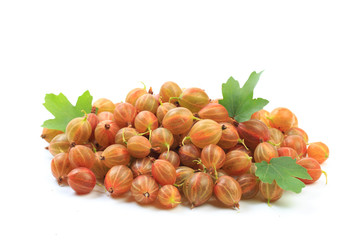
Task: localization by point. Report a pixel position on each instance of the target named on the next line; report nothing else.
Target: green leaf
(285, 171)
(238, 101)
(64, 111)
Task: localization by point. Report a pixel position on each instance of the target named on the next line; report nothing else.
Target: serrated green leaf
(64, 111)
(230, 89)
(84, 102)
(238, 101)
(285, 171)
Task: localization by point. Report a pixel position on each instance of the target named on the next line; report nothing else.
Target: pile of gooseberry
(177, 145)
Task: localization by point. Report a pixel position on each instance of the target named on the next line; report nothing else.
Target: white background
(309, 51)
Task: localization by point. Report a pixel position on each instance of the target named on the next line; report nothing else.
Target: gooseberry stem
(86, 116)
(325, 175)
(185, 138)
(177, 98)
(102, 186)
(243, 143)
(143, 85)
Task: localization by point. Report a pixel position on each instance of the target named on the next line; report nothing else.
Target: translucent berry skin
(178, 120)
(81, 156)
(124, 115)
(214, 111)
(124, 134)
(81, 180)
(163, 109)
(93, 120)
(265, 152)
(298, 131)
(145, 121)
(168, 90)
(237, 162)
(188, 153)
(287, 152)
(297, 143)
(163, 172)
(229, 136)
(313, 168)
(59, 144)
(198, 188)
(105, 132)
(263, 116)
(118, 180)
(183, 173)
(147, 102)
(193, 99)
(241, 147)
(282, 119)
(115, 154)
(172, 157)
(205, 132)
(276, 137)
(141, 166)
(253, 132)
(134, 94)
(213, 157)
(161, 140)
(249, 185)
(105, 116)
(49, 134)
(139, 146)
(78, 131)
(104, 105)
(60, 167)
(144, 189)
(270, 191)
(318, 151)
(169, 196)
(99, 168)
(228, 191)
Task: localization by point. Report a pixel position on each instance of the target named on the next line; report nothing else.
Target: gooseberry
(118, 180)
(82, 180)
(144, 189)
(318, 151)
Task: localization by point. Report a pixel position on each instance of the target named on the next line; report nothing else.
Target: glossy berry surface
(139, 146)
(144, 189)
(78, 131)
(198, 188)
(105, 132)
(214, 111)
(163, 172)
(115, 154)
(237, 162)
(318, 151)
(124, 115)
(172, 157)
(228, 191)
(118, 180)
(81, 180)
(253, 132)
(178, 120)
(205, 132)
(59, 144)
(60, 167)
(81, 156)
(249, 185)
(312, 167)
(169, 196)
(142, 166)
